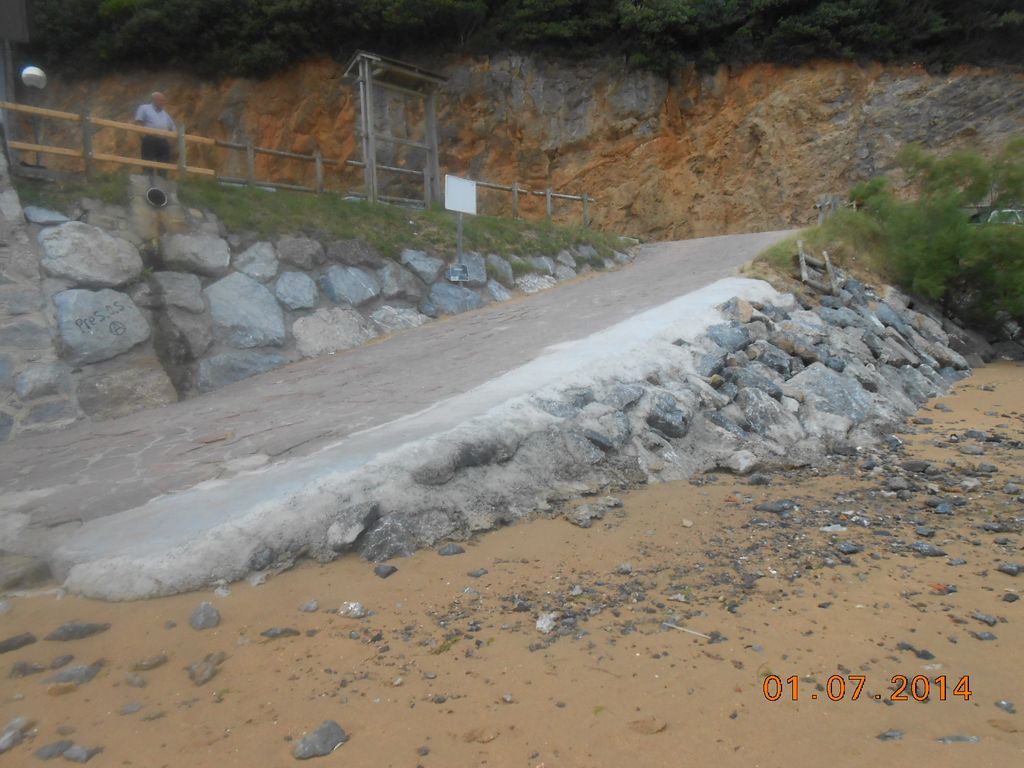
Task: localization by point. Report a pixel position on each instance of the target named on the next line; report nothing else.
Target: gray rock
(44, 217)
(453, 299)
(275, 633)
(52, 750)
(666, 416)
(78, 674)
(397, 282)
(202, 672)
(543, 264)
(57, 413)
(296, 290)
(497, 291)
(179, 289)
(501, 270)
(451, 549)
(245, 314)
(88, 256)
(324, 740)
(535, 283)
(258, 261)
(622, 396)
(566, 259)
(925, 549)
(301, 252)
(205, 616)
(351, 285)
(182, 336)
(327, 331)
(76, 630)
(15, 642)
(891, 735)
(98, 325)
(6, 374)
(25, 669)
(750, 377)
(384, 570)
(771, 356)
(202, 254)
(14, 733)
(764, 415)
(42, 380)
(427, 268)
(390, 319)
(731, 337)
(354, 253)
(476, 268)
(564, 273)
(6, 426)
(830, 392)
(20, 301)
(79, 754)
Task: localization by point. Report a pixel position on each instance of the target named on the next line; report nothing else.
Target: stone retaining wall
(110, 310)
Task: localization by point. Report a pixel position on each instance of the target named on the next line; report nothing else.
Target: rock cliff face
(689, 155)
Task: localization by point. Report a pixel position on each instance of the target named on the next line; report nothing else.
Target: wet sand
(451, 670)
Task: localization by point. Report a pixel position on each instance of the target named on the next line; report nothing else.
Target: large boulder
(179, 289)
(98, 325)
(476, 269)
(354, 253)
(301, 252)
(296, 290)
(397, 282)
(502, 270)
(497, 291)
(427, 268)
(182, 336)
(245, 314)
(258, 261)
(390, 319)
(234, 365)
(350, 285)
(203, 254)
(450, 299)
(330, 330)
(87, 256)
(535, 283)
(832, 392)
(123, 386)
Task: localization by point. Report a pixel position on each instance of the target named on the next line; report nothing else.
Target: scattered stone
(890, 735)
(55, 749)
(135, 681)
(848, 548)
(1011, 569)
(927, 550)
(353, 610)
(985, 618)
(324, 740)
(984, 636)
(777, 507)
(1011, 597)
(150, 662)
(275, 632)
(130, 708)
(204, 671)
(919, 652)
(547, 622)
(25, 669)
(77, 675)
(76, 631)
(79, 754)
(476, 574)
(311, 607)
(16, 642)
(451, 549)
(958, 739)
(205, 616)
(1007, 706)
(384, 570)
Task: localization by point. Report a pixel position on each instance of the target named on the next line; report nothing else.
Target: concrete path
(53, 483)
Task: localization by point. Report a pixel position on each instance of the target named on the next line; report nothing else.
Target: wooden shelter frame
(372, 72)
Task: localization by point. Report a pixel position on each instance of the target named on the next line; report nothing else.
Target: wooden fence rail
(88, 125)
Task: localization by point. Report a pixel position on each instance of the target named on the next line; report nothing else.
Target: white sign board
(459, 194)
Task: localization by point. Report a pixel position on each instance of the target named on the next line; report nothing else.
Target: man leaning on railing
(153, 115)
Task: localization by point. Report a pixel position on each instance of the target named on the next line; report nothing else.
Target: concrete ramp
(340, 453)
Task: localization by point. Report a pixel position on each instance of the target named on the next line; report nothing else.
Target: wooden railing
(89, 125)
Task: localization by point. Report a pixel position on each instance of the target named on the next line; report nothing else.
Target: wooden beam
(41, 111)
(151, 164)
(44, 149)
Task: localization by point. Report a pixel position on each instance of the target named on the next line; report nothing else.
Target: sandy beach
(670, 623)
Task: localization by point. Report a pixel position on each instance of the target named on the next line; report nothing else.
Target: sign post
(459, 196)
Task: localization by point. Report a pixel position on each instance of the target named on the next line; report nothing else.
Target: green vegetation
(258, 37)
(937, 243)
(387, 227)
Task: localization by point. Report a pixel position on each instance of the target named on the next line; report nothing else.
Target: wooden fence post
(586, 211)
(547, 196)
(182, 152)
(515, 199)
(87, 141)
(250, 162)
(318, 162)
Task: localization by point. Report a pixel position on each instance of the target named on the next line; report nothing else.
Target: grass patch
(64, 194)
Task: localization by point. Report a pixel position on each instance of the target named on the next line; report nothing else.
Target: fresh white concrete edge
(190, 539)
